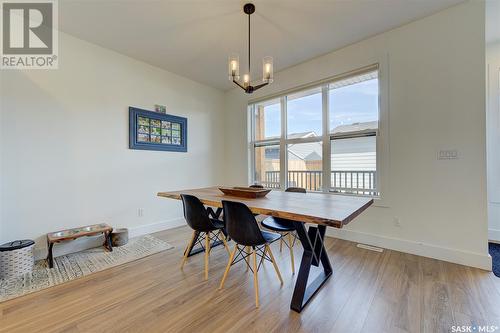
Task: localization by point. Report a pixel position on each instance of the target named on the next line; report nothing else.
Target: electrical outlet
(140, 212)
(447, 155)
(396, 222)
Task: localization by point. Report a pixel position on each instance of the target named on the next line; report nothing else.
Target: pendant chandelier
(234, 63)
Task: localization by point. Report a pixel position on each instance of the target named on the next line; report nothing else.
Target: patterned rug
(75, 265)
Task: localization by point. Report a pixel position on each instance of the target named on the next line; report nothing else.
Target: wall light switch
(448, 155)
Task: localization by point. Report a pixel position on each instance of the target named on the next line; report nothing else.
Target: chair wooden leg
(268, 249)
(247, 259)
(221, 234)
(207, 253)
(290, 246)
(186, 252)
(231, 257)
(255, 278)
(281, 243)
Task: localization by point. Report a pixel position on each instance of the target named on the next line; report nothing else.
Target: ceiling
(193, 38)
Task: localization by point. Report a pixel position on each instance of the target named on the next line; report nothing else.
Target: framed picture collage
(156, 131)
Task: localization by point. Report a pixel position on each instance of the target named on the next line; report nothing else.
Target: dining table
(311, 214)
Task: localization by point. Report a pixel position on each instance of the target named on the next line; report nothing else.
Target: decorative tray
(245, 192)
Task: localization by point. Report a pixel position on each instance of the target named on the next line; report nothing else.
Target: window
(354, 101)
(292, 134)
(353, 166)
(267, 166)
(304, 114)
(267, 120)
(305, 165)
(266, 151)
(354, 114)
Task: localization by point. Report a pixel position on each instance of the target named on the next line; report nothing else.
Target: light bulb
(267, 69)
(246, 80)
(233, 67)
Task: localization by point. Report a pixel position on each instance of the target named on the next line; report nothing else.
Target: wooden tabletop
(320, 208)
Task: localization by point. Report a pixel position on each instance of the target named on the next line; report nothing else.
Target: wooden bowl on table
(245, 192)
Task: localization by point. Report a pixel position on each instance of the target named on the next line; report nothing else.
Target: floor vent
(371, 248)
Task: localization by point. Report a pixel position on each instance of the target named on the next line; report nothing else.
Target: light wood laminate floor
(368, 292)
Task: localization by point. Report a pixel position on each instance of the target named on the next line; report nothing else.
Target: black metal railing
(353, 182)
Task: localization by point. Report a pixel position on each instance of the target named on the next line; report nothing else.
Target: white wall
(64, 138)
(493, 139)
(436, 86)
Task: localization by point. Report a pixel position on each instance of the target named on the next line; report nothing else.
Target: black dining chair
(285, 227)
(242, 227)
(204, 228)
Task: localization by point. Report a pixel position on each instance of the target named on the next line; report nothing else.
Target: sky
(348, 105)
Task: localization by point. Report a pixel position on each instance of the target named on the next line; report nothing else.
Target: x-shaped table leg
(314, 253)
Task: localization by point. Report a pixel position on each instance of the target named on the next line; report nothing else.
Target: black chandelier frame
(249, 9)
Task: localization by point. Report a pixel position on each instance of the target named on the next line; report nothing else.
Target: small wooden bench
(72, 234)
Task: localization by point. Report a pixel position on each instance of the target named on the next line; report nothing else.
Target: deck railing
(354, 182)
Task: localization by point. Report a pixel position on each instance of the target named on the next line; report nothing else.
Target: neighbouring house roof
(356, 127)
(357, 153)
(308, 151)
(302, 135)
(313, 150)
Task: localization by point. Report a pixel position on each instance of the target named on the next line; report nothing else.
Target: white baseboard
(466, 258)
(494, 235)
(155, 227)
(81, 244)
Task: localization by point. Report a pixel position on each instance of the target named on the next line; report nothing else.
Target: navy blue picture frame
(134, 143)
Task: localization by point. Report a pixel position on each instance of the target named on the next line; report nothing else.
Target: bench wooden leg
(50, 258)
(108, 242)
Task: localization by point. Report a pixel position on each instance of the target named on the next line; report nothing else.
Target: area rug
(75, 265)
(494, 250)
